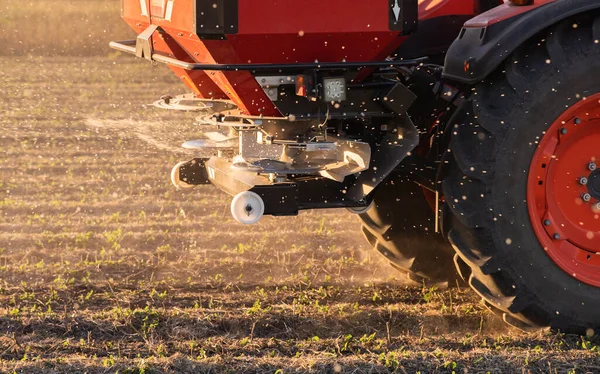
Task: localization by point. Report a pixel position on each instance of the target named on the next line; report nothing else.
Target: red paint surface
(554, 193)
(280, 31)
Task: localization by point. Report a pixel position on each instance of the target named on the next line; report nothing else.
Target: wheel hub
(563, 194)
(594, 184)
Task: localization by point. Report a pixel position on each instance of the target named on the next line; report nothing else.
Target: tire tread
(471, 230)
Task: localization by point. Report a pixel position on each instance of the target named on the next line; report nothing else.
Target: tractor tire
(522, 218)
(400, 226)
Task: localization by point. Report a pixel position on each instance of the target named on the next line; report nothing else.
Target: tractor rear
(462, 132)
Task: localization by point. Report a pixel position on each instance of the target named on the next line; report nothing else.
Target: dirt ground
(104, 267)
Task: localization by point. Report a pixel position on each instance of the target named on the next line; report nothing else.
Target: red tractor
(464, 133)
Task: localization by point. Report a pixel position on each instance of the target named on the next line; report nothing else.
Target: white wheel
(247, 207)
(178, 183)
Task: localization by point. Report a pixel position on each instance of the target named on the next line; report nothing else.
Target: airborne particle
(589, 333)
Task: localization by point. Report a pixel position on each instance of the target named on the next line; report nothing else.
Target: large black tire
(486, 185)
(400, 226)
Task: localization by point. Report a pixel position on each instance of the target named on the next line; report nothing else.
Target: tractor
(460, 132)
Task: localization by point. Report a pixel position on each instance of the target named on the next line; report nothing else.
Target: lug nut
(556, 236)
(577, 121)
(583, 181)
(586, 197)
(592, 166)
(564, 131)
(547, 222)
(598, 207)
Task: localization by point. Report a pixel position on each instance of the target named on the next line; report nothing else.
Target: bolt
(592, 166)
(583, 181)
(547, 222)
(586, 197)
(556, 236)
(577, 121)
(564, 131)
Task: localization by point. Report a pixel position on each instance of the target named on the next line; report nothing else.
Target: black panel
(288, 103)
(429, 40)
(404, 16)
(399, 99)
(279, 199)
(286, 199)
(215, 18)
(485, 5)
(194, 172)
(324, 193)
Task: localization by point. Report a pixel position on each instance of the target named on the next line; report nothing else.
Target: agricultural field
(106, 268)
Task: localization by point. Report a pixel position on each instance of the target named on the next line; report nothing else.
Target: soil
(105, 267)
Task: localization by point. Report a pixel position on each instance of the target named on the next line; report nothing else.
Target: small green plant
(429, 294)
(451, 365)
(346, 342)
(82, 239)
(218, 280)
(114, 238)
(367, 338)
(257, 309)
(390, 360)
(108, 362)
(244, 342)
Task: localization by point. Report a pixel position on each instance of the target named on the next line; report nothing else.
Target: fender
(488, 39)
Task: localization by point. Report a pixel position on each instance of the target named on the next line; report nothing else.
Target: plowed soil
(106, 268)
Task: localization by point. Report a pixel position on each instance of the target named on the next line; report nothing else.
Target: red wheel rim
(563, 191)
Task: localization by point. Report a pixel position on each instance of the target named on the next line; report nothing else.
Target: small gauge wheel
(247, 207)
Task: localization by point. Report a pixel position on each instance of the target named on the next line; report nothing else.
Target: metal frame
(280, 198)
(133, 47)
